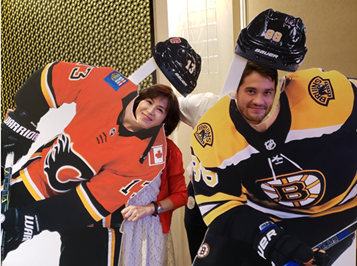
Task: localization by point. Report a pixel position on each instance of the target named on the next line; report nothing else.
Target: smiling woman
(155, 105)
(147, 216)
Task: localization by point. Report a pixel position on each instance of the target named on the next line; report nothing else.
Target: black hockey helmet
(179, 62)
(273, 39)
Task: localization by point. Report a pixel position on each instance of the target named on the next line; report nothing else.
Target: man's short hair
(262, 70)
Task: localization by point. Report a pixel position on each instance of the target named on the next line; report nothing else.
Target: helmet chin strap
(234, 75)
(144, 71)
(233, 78)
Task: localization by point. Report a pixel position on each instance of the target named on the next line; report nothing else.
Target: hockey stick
(5, 195)
(333, 240)
(336, 238)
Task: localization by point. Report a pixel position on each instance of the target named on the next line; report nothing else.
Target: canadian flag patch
(156, 155)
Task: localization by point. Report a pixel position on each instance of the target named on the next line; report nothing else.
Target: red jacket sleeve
(173, 185)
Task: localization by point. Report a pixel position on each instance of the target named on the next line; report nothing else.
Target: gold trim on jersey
(233, 201)
(88, 205)
(222, 126)
(46, 91)
(31, 187)
(304, 96)
(332, 206)
(220, 210)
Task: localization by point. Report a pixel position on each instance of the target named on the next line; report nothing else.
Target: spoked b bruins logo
(204, 134)
(300, 189)
(321, 90)
(203, 251)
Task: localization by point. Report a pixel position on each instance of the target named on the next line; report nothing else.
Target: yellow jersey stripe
(219, 197)
(87, 204)
(46, 91)
(31, 187)
(221, 209)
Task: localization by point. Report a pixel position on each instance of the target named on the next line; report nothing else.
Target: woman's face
(151, 112)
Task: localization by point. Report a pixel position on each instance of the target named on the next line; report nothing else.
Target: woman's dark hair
(172, 110)
(262, 70)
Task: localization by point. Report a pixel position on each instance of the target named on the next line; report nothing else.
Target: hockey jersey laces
(272, 169)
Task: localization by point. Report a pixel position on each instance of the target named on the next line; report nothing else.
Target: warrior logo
(300, 189)
(321, 90)
(204, 134)
(203, 251)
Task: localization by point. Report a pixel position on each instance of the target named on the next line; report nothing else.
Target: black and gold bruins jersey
(304, 165)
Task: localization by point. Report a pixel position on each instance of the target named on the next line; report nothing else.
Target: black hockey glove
(321, 257)
(18, 132)
(19, 225)
(274, 245)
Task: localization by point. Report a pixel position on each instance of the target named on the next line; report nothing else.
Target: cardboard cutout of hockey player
(66, 176)
(269, 193)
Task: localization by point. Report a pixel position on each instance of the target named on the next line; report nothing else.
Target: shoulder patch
(204, 134)
(115, 80)
(321, 90)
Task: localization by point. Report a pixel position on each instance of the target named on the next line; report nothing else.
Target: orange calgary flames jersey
(95, 154)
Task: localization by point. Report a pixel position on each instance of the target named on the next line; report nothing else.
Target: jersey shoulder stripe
(215, 134)
(316, 94)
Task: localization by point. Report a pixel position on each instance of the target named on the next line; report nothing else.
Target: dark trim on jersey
(62, 212)
(30, 97)
(152, 38)
(240, 223)
(155, 130)
(219, 203)
(350, 122)
(93, 200)
(141, 134)
(277, 131)
(125, 101)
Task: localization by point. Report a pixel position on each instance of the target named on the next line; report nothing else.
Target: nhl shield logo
(204, 134)
(321, 90)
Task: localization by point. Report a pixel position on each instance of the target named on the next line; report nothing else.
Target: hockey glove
(19, 225)
(320, 259)
(18, 132)
(273, 244)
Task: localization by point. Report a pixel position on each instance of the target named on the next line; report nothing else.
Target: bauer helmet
(179, 62)
(273, 39)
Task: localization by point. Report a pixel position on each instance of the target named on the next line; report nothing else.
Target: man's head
(256, 92)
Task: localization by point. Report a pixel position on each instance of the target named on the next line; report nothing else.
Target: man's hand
(18, 132)
(275, 245)
(19, 224)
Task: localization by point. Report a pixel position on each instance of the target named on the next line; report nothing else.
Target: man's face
(255, 97)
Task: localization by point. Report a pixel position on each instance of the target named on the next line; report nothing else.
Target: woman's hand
(133, 213)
